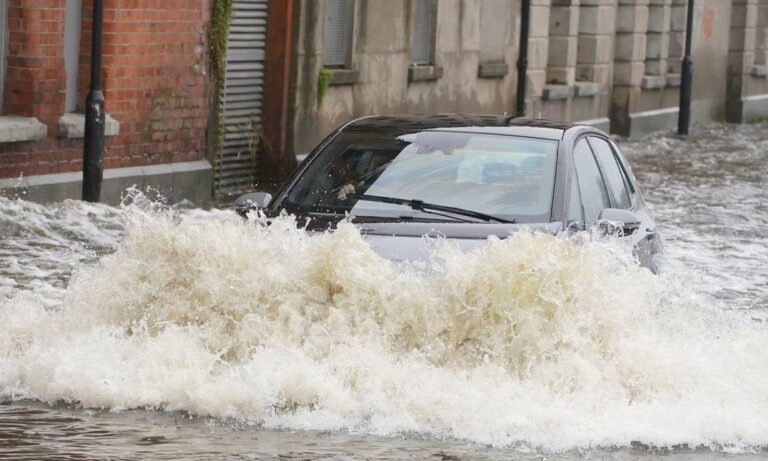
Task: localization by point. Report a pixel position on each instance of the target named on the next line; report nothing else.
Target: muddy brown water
(708, 193)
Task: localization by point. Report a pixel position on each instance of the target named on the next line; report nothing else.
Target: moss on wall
(217, 42)
(323, 82)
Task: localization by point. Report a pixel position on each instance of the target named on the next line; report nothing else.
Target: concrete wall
(612, 63)
(463, 78)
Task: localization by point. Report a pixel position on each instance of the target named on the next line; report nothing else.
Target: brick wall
(155, 80)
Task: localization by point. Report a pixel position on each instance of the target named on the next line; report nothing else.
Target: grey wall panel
(237, 163)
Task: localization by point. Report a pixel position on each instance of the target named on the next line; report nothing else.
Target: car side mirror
(575, 226)
(251, 202)
(616, 221)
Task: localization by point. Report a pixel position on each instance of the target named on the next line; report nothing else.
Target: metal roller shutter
(338, 32)
(241, 98)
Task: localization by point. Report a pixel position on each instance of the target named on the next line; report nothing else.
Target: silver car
(464, 177)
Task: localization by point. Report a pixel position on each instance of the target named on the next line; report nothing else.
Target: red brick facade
(155, 79)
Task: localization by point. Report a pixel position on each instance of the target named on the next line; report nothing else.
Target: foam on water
(533, 341)
(708, 195)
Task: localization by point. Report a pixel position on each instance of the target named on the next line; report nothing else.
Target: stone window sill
(658, 82)
(492, 69)
(556, 92)
(72, 126)
(20, 129)
(424, 73)
(760, 71)
(343, 76)
(586, 89)
(654, 82)
(673, 80)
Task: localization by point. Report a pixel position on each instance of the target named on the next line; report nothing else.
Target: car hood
(410, 241)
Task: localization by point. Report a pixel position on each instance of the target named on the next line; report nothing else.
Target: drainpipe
(686, 79)
(522, 57)
(93, 146)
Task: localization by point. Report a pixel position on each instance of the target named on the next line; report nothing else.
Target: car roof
(492, 124)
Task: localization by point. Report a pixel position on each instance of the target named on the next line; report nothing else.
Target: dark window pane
(593, 193)
(423, 31)
(338, 33)
(613, 175)
(575, 212)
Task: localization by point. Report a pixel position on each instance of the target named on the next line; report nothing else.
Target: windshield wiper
(420, 205)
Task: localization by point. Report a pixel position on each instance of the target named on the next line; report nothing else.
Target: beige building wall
(611, 63)
(380, 78)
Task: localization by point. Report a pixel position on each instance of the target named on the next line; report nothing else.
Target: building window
(423, 37)
(3, 47)
(339, 25)
(495, 16)
(72, 25)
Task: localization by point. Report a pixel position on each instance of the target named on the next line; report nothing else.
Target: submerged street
(176, 332)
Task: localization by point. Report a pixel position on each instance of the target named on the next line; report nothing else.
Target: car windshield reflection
(498, 175)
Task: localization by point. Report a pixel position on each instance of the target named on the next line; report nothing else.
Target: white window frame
(423, 53)
(343, 33)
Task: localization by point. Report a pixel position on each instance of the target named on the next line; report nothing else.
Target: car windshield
(498, 175)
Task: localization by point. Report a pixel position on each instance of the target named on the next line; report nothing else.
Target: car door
(589, 196)
(623, 195)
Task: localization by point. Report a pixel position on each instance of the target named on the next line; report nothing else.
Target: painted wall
(381, 55)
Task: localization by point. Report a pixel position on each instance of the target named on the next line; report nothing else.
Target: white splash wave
(532, 341)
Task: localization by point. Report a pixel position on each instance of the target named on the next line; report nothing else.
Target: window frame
(432, 34)
(348, 29)
(625, 169)
(485, 36)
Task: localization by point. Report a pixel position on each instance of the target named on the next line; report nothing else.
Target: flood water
(157, 332)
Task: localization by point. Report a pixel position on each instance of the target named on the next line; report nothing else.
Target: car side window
(575, 210)
(594, 196)
(613, 175)
(625, 168)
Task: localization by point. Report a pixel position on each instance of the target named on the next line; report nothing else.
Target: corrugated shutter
(236, 164)
(423, 31)
(338, 32)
